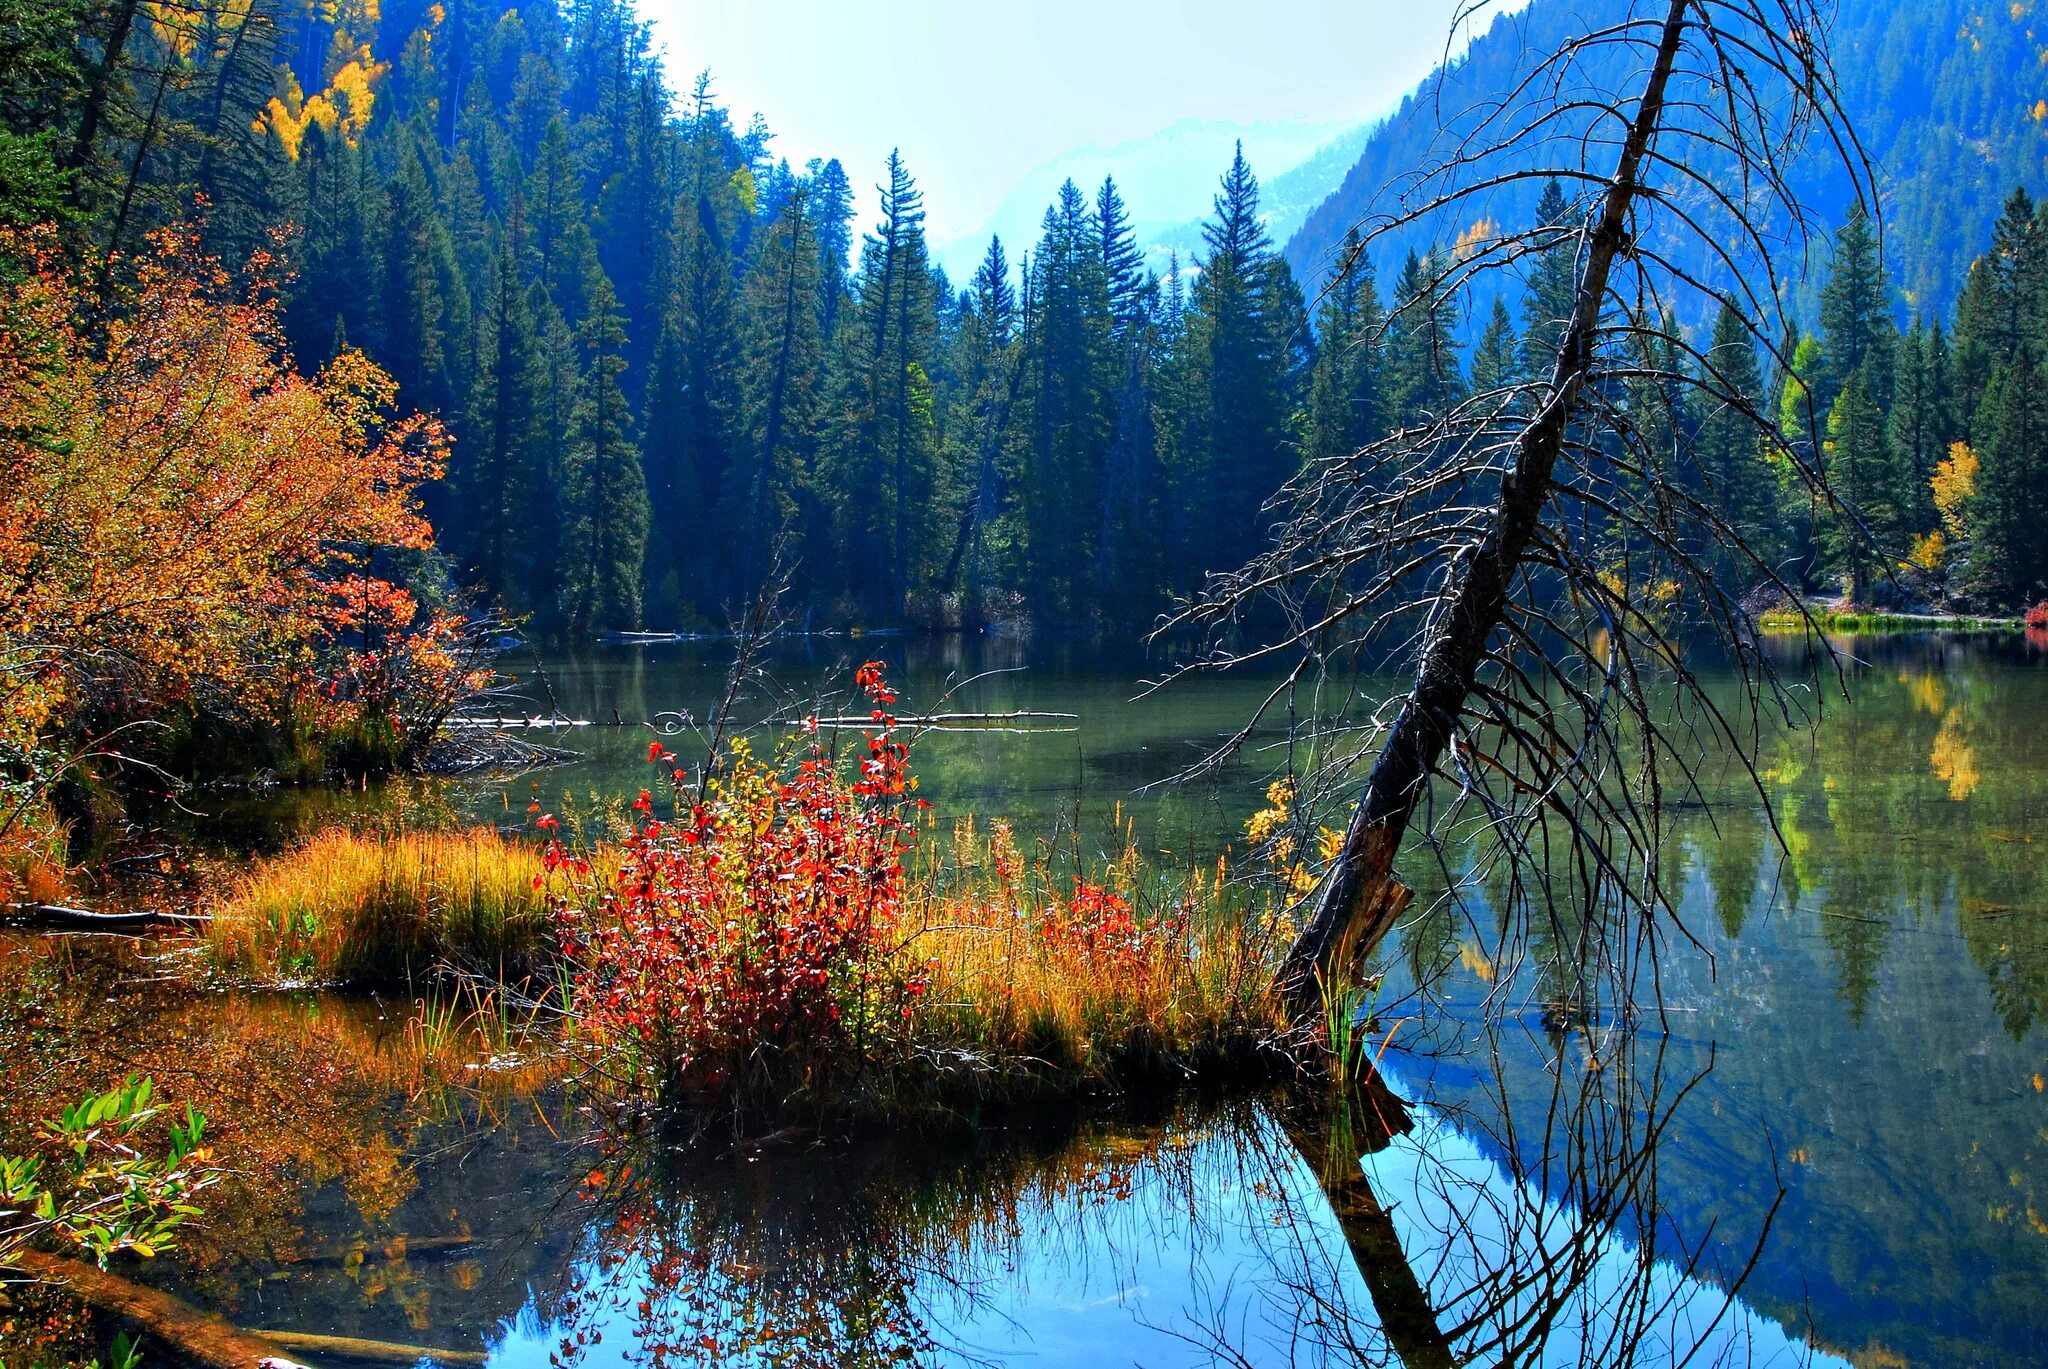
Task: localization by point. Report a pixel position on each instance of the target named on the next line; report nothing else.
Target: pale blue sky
(978, 94)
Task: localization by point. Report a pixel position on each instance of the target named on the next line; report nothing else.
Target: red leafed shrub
(1098, 927)
(2037, 617)
(747, 950)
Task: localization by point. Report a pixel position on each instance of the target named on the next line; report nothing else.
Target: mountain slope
(1168, 179)
(1945, 95)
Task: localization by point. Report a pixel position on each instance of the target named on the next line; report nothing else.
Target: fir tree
(604, 493)
(2008, 543)
(1553, 283)
(1860, 536)
(1856, 327)
(1423, 378)
(1495, 363)
(1347, 402)
(1734, 469)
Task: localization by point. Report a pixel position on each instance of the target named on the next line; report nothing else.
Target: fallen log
(361, 1351)
(934, 719)
(185, 1333)
(403, 1247)
(57, 917)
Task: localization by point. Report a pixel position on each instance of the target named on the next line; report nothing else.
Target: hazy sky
(977, 93)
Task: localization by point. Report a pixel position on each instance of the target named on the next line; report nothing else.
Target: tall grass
(1790, 623)
(381, 909)
(1039, 974)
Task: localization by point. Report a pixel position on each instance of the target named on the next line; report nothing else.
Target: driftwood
(360, 1351)
(56, 917)
(185, 1333)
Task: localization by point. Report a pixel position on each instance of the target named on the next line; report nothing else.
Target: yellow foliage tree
(184, 518)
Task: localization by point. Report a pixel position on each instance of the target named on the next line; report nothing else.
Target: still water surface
(1838, 1109)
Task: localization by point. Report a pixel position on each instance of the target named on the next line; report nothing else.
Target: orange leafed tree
(183, 514)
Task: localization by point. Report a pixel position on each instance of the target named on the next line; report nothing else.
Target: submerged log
(403, 1247)
(183, 1332)
(936, 719)
(57, 917)
(361, 1351)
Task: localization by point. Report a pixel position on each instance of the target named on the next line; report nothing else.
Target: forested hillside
(668, 360)
(1948, 97)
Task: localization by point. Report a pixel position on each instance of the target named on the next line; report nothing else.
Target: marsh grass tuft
(384, 909)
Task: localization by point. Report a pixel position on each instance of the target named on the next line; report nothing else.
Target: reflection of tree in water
(1539, 1237)
(1893, 818)
(1531, 1230)
(836, 1255)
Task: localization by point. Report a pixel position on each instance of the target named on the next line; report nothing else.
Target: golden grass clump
(1121, 972)
(380, 908)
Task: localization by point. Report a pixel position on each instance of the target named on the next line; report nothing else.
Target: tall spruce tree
(1734, 469)
(1553, 282)
(782, 365)
(1071, 394)
(1347, 393)
(1858, 334)
(1861, 538)
(604, 492)
(1245, 340)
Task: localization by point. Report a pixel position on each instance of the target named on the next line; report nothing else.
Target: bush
(747, 948)
(2037, 617)
(786, 944)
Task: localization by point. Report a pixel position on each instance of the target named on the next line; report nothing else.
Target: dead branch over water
(1540, 554)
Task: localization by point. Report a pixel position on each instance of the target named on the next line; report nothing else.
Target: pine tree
(990, 379)
(1071, 394)
(1553, 283)
(501, 490)
(2003, 313)
(1423, 379)
(1860, 538)
(1857, 331)
(553, 206)
(412, 306)
(1921, 421)
(880, 462)
(1347, 400)
(1123, 265)
(1495, 363)
(694, 387)
(1735, 473)
(835, 241)
(604, 493)
(1247, 367)
(782, 362)
(2008, 541)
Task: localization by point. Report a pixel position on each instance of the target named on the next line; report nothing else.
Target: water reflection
(1827, 1128)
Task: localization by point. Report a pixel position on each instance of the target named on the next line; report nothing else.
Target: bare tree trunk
(100, 80)
(1360, 898)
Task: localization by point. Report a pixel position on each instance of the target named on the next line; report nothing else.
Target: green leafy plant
(99, 1187)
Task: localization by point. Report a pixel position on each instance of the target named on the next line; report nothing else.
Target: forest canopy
(661, 351)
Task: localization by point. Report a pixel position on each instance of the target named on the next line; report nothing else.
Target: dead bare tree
(1542, 555)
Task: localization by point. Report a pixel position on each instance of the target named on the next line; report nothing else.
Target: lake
(1818, 1134)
